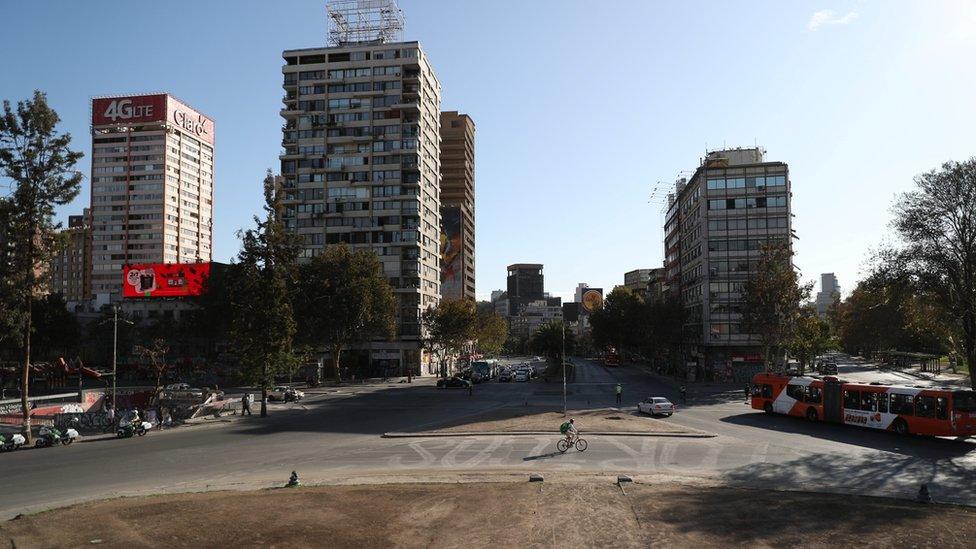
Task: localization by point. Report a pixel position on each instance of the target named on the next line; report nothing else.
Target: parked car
(521, 375)
(453, 383)
(283, 393)
(178, 387)
(827, 369)
(505, 376)
(656, 406)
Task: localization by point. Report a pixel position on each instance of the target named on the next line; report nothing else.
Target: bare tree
(155, 355)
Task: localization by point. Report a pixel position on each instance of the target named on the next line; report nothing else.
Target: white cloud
(828, 17)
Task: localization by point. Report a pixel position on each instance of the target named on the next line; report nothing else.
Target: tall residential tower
(457, 206)
(361, 159)
(152, 186)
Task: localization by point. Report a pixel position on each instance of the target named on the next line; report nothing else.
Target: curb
(438, 434)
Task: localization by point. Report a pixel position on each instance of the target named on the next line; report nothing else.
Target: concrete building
(534, 314)
(71, 269)
(361, 164)
(717, 222)
(152, 186)
(526, 283)
(457, 206)
(578, 294)
(637, 281)
(829, 292)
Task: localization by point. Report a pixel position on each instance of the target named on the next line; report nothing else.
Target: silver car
(656, 406)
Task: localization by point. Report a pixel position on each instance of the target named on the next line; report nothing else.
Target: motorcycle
(139, 428)
(9, 443)
(49, 436)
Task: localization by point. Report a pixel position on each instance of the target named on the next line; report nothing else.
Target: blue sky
(581, 107)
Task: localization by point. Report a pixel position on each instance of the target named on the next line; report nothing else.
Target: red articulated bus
(904, 410)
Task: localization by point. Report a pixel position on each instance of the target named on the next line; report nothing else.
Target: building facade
(534, 314)
(361, 167)
(71, 268)
(735, 203)
(829, 292)
(525, 284)
(457, 206)
(637, 281)
(152, 186)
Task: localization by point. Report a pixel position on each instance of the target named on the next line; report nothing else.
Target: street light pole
(115, 348)
(562, 358)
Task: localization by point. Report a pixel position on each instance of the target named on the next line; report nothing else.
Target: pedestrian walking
(684, 395)
(470, 389)
(246, 404)
(620, 393)
(746, 391)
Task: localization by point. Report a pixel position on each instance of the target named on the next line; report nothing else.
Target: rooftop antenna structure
(356, 21)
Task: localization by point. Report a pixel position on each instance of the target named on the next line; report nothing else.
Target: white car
(656, 406)
(521, 376)
(283, 393)
(178, 387)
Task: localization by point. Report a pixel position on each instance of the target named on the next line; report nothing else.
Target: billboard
(452, 266)
(592, 300)
(164, 279)
(141, 109)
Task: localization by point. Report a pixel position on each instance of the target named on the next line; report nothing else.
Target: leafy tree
(491, 331)
(449, 327)
(37, 159)
(771, 301)
(11, 315)
(263, 326)
(937, 226)
(548, 341)
(811, 337)
(155, 356)
(343, 298)
(617, 324)
(56, 330)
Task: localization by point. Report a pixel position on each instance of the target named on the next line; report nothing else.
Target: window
(902, 404)
(924, 406)
(883, 403)
(767, 390)
(795, 391)
(869, 401)
(852, 400)
(942, 408)
(814, 395)
(716, 204)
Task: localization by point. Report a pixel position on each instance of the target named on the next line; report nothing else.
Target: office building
(71, 268)
(457, 206)
(828, 294)
(534, 314)
(152, 186)
(361, 159)
(717, 221)
(525, 284)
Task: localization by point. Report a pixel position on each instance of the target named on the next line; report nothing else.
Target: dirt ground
(501, 514)
(532, 418)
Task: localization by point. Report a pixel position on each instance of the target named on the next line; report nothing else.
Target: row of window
(745, 224)
(747, 182)
(739, 245)
(747, 203)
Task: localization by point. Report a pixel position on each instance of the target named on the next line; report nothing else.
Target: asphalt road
(335, 436)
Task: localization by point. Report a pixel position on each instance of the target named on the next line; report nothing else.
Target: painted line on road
(436, 434)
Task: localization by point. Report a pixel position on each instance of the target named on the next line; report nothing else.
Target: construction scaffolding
(354, 21)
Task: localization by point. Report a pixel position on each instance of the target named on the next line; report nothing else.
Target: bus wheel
(901, 427)
(812, 414)
(768, 407)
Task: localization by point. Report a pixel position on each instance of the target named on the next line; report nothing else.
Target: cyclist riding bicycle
(569, 429)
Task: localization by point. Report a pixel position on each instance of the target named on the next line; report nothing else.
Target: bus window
(942, 408)
(767, 390)
(795, 391)
(964, 401)
(902, 404)
(924, 406)
(852, 400)
(883, 403)
(814, 394)
(869, 401)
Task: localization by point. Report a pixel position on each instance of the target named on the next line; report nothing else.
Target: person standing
(470, 388)
(620, 393)
(246, 404)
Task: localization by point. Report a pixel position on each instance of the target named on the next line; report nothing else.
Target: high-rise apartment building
(637, 280)
(525, 284)
(829, 292)
(152, 186)
(717, 222)
(457, 206)
(361, 164)
(71, 268)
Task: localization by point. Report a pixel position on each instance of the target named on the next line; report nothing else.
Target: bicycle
(579, 443)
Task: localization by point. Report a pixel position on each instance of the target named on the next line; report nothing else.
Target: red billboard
(129, 110)
(164, 279)
(140, 109)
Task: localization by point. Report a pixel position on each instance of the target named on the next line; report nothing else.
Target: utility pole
(562, 358)
(115, 348)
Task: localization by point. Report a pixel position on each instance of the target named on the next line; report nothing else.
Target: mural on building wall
(451, 265)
